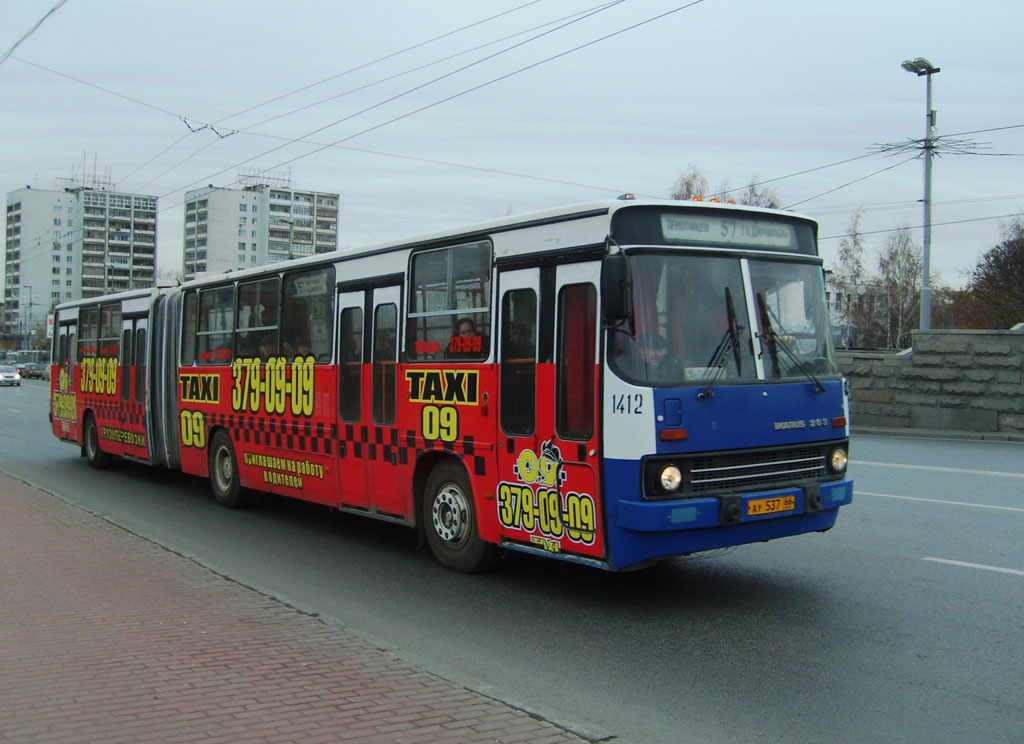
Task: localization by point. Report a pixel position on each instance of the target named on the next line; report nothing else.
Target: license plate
(757, 507)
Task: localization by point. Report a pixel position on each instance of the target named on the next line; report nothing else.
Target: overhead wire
(984, 131)
(918, 227)
(35, 27)
(431, 82)
(905, 204)
(249, 130)
(465, 166)
(615, 189)
(364, 65)
(132, 99)
(850, 183)
(424, 66)
(309, 86)
(337, 143)
(499, 78)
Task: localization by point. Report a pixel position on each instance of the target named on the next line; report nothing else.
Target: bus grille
(754, 469)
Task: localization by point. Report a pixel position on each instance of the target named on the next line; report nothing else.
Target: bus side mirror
(615, 288)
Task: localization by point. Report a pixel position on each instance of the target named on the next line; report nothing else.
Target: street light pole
(27, 323)
(922, 67)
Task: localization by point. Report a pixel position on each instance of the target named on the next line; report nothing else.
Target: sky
(433, 114)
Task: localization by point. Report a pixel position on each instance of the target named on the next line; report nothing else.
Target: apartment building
(230, 229)
(73, 243)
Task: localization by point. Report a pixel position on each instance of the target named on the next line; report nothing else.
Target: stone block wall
(958, 380)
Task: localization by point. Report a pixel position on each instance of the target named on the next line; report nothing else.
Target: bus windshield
(692, 323)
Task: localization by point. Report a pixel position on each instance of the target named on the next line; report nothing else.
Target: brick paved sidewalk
(105, 637)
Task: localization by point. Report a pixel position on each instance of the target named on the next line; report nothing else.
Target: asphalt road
(902, 624)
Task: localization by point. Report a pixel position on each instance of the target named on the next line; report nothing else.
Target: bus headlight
(671, 478)
(837, 460)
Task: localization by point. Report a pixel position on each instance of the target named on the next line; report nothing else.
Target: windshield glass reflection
(691, 322)
(792, 325)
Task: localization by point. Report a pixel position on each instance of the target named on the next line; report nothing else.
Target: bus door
(352, 485)
(62, 381)
(548, 494)
(517, 390)
(383, 448)
(132, 411)
(368, 449)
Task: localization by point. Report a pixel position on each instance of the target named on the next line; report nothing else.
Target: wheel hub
(450, 515)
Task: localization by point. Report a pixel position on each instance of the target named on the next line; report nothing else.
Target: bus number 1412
(628, 403)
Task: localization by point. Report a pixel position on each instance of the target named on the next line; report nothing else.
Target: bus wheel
(450, 522)
(91, 445)
(227, 488)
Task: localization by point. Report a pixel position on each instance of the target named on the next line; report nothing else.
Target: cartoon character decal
(536, 507)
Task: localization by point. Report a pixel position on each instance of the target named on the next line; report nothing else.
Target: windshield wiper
(730, 342)
(774, 341)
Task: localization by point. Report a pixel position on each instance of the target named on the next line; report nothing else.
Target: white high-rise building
(73, 243)
(230, 229)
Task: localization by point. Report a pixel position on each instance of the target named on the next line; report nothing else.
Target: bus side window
(350, 372)
(190, 314)
(449, 303)
(577, 311)
(256, 329)
(518, 361)
(307, 314)
(385, 331)
(88, 331)
(126, 365)
(110, 330)
(140, 365)
(214, 333)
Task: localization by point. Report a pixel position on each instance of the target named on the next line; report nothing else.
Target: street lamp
(922, 67)
(27, 323)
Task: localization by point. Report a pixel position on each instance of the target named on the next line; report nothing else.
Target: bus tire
(224, 478)
(449, 518)
(97, 458)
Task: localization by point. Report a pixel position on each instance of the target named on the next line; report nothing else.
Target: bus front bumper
(733, 509)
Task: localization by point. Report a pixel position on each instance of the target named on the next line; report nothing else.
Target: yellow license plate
(757, 507)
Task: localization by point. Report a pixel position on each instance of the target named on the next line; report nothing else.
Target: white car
(9, 376)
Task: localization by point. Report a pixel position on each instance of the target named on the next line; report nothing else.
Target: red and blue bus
(611, 383)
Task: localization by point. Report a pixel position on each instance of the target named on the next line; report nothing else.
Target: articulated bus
(611, 383)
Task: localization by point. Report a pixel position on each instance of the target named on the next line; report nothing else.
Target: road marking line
(982, 566)
(936, 468)
(940, 501)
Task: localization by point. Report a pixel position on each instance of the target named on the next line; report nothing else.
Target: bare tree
(848, 283)
(694, 183)
(900, 265)
(994, 297)
(758, 195)
(879, 310)
(851, 251)
(691, 182)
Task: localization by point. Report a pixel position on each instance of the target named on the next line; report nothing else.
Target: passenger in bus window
(385, 348)
(246, 345)
(268, 345)
(519, 345)
(466, 342)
